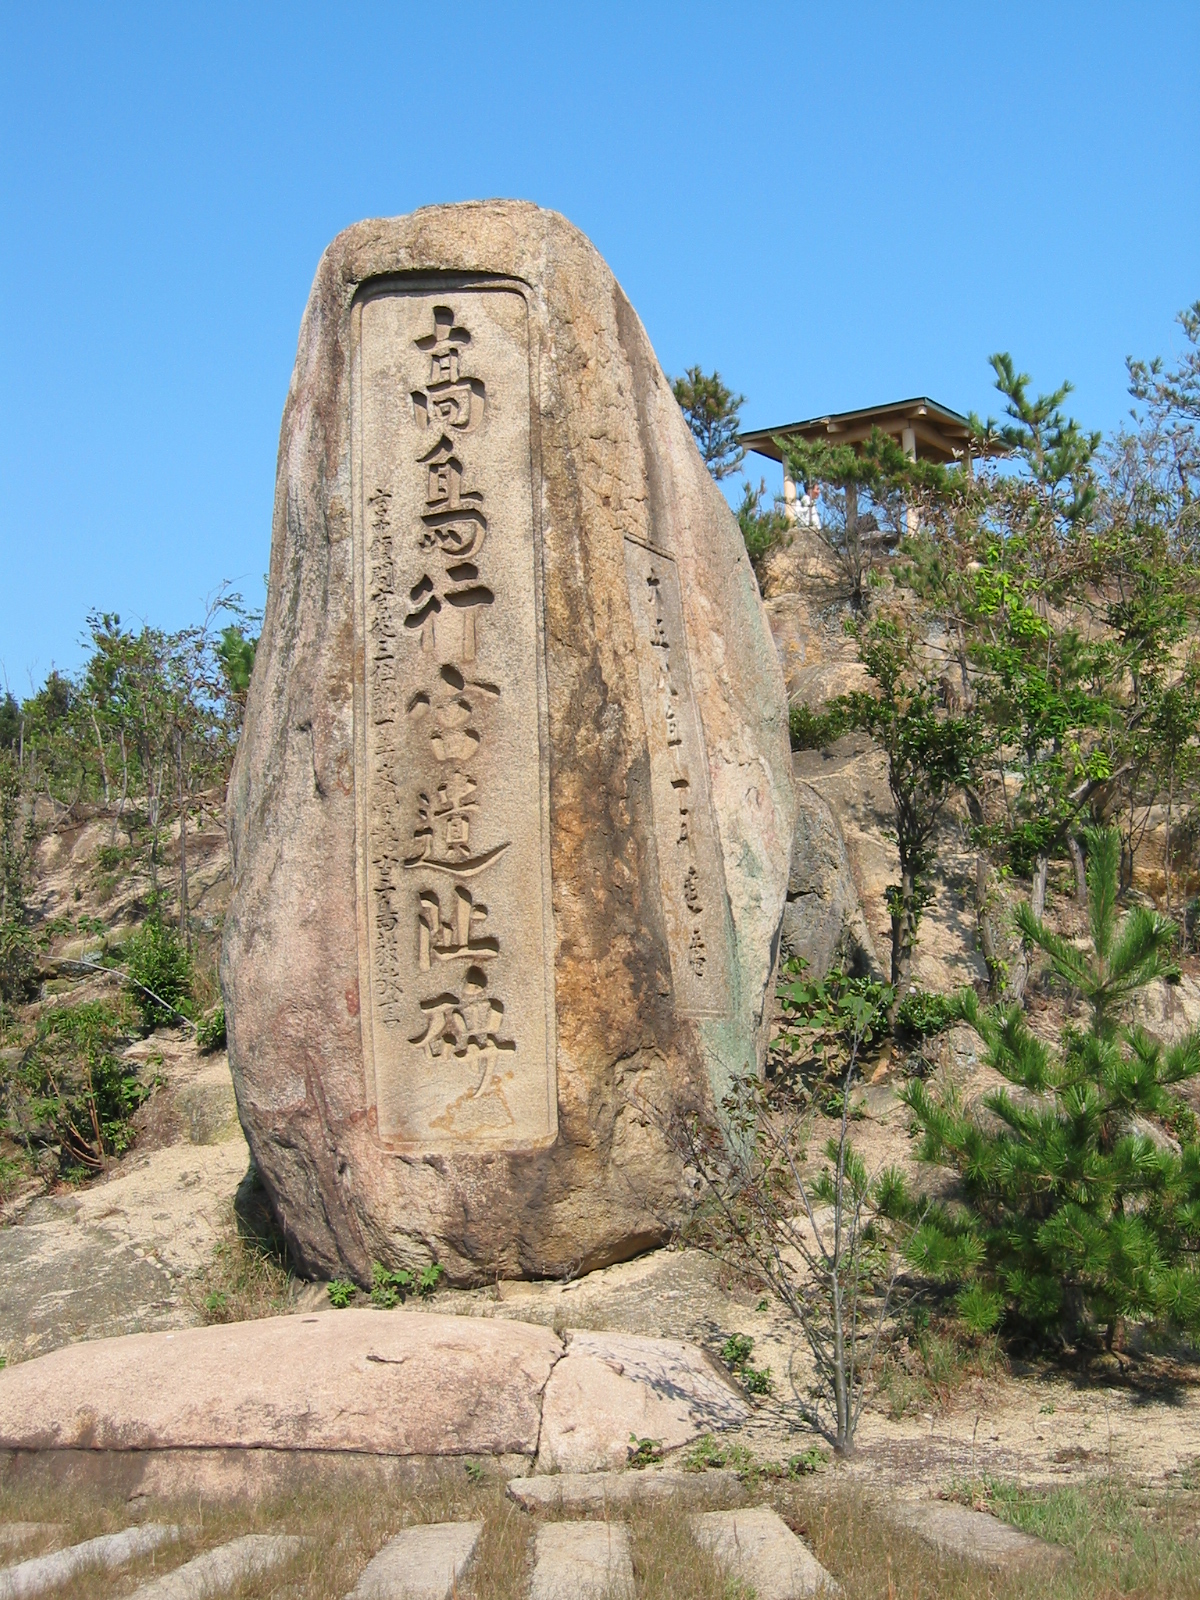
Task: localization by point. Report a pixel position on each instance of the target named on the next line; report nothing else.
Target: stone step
(420, 1563)
(109, 1550)
(974, 1536)
(582, 1561)
(596, 1491)
(758, 1548)
(220, 1570)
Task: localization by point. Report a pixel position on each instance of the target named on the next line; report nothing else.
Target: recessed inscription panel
(693, 883)
(454, 876)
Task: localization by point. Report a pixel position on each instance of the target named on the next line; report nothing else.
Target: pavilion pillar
(908, 443)
(789, 495)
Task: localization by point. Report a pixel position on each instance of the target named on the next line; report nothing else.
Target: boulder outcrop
(512, 810)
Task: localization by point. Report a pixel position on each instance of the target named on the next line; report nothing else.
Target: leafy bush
(210, 1031)
(71, 1090)
(341, 1292)
(735, 1353)
(160, 972)
(813, 730)
(390, 1288)
(920, 1014)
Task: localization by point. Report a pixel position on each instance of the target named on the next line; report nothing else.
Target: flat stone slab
(582, 1561)
(109, 1550)
(220, 1570)
(614, 1385)
(596, 1491)
(421, 1563)
(758, 1548)
(390, 1383)
(974, 1536)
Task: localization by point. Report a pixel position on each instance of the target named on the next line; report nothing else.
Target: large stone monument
(512, 811)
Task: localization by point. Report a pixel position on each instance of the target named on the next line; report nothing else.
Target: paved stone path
(595, 1491)
(110, 1550)
(974, 1536)
(421, 1563)
(217, 1571)
(758, 1548)
(582, 1561)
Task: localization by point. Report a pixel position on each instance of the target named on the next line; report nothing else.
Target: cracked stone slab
(758, 1548)
(974, 1536)
(582, 1561)
(220, 1570)
(614, 1385)
(596, 1491)
(110, 1550)
(420, 1563)
(380, 1382)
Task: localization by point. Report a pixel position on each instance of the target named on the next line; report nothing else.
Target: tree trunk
(983, 918)
(184, 919)
(100, 752)
(1037, 904)
(904, 934)
(1077, 861)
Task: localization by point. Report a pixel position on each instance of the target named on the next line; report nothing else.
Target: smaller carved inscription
(693, 883)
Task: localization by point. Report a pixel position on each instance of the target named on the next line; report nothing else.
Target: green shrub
(72, 1090)
(210, 1031)
(390, 1288)
(1073, 1217)
(160, 972)
(813, 730)
(735, 1353)
(920, 1015)
(341, 1292)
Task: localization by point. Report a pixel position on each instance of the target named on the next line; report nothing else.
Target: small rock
(582, 1561)
(611, 1386)
(421, 1563)
(220, 1570)
(594, 1491)
(974, 1536)
(758, 1548)
(110, 1550)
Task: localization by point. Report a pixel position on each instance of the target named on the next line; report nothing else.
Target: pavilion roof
(939, 433)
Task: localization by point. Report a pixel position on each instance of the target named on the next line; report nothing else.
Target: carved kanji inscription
(689, 861)
(451, 781)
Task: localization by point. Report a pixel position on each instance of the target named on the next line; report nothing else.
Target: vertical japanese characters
(428, 867)
(683, 858)
(691, 876)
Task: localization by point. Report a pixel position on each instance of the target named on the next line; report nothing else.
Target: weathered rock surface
(758, 1548)
(420, 1563)
(512, 812)
(222, 1570)
(823, 923)
(597, 1491)
(611, 1386)
(109, 1550)
(975, 1535)
(582, 1561)
(388, 1383)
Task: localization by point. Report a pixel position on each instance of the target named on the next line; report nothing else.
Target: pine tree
(1076, 1211)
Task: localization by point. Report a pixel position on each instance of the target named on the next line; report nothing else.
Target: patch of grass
(927, 1360)
(347, 1515)
(1121, 1539)
(210, 1031)
(246, 1279)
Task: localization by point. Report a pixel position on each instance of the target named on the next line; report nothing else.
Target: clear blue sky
(833, 204)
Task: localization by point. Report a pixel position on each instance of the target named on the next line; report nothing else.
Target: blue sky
(834, 204)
